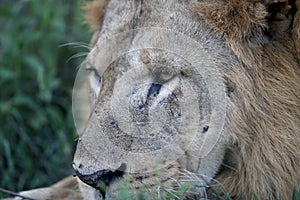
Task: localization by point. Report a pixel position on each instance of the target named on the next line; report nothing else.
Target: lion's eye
(95, 84)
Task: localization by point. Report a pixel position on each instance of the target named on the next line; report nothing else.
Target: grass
(36, 126)
(124, 192)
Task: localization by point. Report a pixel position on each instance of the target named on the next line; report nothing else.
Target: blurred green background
(37, 134)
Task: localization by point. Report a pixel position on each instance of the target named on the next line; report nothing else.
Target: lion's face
(175, 96)
(158, 101)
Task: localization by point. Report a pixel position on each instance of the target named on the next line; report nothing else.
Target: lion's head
(187, 93)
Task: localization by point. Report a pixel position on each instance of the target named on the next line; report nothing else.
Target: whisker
(78, 55)
(76, 45)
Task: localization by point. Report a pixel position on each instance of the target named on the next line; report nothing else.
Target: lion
(222, 119)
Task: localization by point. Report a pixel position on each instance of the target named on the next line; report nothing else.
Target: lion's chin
(88, 192)
(147, 188)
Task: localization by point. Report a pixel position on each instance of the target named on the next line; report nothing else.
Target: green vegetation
(37, 134)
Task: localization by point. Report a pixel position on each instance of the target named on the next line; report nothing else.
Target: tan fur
(265, 121)
(94, 11)
(65, 189)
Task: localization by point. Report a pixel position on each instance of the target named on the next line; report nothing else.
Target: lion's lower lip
(97, 180)
(101, 179)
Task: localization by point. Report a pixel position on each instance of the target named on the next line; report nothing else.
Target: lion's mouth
(100, 180)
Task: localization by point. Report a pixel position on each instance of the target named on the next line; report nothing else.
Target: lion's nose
(100, 179)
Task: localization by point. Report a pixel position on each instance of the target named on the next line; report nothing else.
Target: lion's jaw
(143, 117)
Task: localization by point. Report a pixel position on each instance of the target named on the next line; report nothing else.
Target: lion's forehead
(175, 15)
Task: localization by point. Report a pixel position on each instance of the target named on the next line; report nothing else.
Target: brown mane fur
(94, 11)
(265, 120)
(265, 116)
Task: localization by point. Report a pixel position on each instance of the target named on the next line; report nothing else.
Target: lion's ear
(94, 12)
(243, 19)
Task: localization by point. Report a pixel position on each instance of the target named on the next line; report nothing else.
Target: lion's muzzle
(101, 179)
